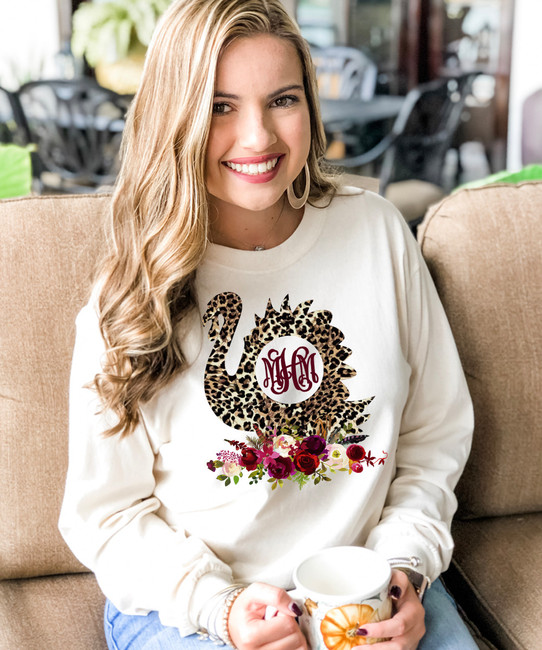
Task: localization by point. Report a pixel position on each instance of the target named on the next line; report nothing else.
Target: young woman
(255, 323)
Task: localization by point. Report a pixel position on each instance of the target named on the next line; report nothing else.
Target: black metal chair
(422, 133)
(344, 72)
(77, 126)
(416, 146)
(13, 126)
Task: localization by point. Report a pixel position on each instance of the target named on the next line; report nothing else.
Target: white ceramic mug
(341, 589)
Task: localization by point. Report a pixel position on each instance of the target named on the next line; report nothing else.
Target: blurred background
(394, 75)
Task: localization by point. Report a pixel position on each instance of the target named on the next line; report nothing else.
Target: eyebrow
(285, 89)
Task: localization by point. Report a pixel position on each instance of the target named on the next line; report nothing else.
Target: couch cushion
(53, 613)
(494, 576)
(413, 197)
(484, 252)
(48, 249)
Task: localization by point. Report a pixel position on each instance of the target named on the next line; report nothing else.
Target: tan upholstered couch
(484, 247)
(48, 248)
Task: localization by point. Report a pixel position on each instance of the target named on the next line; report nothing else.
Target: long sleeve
(147, 515)
(435, 434)
(109, 514)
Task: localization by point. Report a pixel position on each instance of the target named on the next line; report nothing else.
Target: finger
(386, 645)
(249, 628)
(400, 580)
(279, 633)
(293, 610)
(408, 619)
(409, 616)
(292, 642)
(393, 627)
(275, 600)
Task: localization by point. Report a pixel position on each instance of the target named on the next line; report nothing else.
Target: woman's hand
(250, 630)
(406, 627)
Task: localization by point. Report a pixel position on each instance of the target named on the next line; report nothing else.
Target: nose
(256, 130)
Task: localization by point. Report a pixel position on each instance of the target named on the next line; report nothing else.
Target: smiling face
(260, 131)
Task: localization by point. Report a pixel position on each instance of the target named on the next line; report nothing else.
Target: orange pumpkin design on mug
(340, 624)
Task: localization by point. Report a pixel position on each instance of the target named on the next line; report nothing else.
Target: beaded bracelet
(228, 603)
(222, 600)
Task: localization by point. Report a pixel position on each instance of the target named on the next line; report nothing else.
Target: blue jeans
(445, 629)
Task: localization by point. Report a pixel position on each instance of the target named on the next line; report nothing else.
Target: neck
(254, 230)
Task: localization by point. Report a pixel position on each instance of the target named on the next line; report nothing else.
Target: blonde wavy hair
(159, 213)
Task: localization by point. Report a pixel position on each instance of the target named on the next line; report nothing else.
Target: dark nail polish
(361, 632)
(294, 607)
(395, 592)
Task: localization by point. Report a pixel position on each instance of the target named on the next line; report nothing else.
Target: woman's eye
(220, 108)
(286, 101)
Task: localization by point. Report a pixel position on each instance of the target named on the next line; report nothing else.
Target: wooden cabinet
(413, 41)
(466, 35)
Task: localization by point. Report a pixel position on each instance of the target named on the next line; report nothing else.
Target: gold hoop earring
(299, 202)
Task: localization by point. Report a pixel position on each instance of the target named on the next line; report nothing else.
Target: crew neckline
(292, 249)
(299, 242)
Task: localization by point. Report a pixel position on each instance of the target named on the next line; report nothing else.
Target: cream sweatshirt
(339, 326)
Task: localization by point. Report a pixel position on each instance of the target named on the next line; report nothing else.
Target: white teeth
(253, 169)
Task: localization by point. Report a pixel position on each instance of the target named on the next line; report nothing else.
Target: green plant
(109, 31)
(15, 170)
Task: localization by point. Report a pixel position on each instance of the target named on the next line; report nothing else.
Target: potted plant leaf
(113, 36)
(15, 170)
